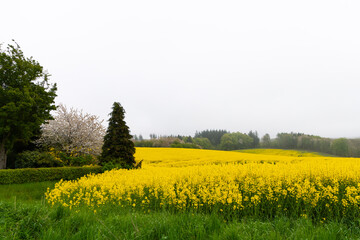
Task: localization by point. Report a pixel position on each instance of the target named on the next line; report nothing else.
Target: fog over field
(177, 67)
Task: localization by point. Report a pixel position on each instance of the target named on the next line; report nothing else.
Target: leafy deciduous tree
(340, 147)
(213, 135)
(203, 143)
(288, 140)
(26, 98)
(236, 140)
(256, 140)
(266, 141)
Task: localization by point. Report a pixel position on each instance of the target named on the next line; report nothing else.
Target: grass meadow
(194, 194)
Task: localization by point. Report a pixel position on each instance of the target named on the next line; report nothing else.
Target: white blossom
(73, 132)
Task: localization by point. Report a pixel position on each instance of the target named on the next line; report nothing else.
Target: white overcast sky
(181, 66)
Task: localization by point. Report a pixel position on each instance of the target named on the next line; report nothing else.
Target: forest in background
(225, 140)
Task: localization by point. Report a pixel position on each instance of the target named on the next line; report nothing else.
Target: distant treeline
(224, 140)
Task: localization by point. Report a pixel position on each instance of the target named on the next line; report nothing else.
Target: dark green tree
(118, 148)
(288, 140)
(266, 141)
(256, 139)
(26, 98)
(235, 141)
(203, 143)
(188, 139)
(340, 147)
(213, 135)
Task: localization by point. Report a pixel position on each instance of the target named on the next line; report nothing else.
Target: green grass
(26, 193)
(29, 217)
(42, 222)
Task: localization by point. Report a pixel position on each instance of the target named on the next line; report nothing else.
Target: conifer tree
(118, 147)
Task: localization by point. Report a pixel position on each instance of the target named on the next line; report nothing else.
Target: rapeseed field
(235, 184)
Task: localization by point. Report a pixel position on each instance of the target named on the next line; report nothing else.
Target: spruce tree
(118, 147)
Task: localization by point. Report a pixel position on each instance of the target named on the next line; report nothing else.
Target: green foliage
(298, 141)
(188, 139)
(323, 145)
(256, 139)
(26, 98)
(184, 145)
(354, 147)
(25, 175)
(175, 142)
(305, 142)
(144, 143)
(214, 136)
(36, 159)
(266, 141)
(234, 141)
(39, 159)
(204, 143)
(291, 140)
(116, 165)
(340, 147)
(288, 140)
(164, 141)
(110, 165)
(118, 147)
(80, 160)
(20, 146)
(158, 142)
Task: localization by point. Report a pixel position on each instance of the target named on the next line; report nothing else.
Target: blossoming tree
(73, 132)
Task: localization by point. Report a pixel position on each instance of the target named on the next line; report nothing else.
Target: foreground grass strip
(42, 222)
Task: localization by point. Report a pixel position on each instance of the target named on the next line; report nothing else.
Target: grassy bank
(42, 222)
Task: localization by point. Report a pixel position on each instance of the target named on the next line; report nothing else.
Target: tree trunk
(2, 154)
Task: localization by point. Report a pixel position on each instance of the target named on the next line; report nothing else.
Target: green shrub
(78, 160)
(144, 143)
(36, 159)
(116, 164)
(203, 143)
(184, 145)
(24, 175)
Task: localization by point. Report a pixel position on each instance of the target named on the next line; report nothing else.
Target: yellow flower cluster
(231, 182)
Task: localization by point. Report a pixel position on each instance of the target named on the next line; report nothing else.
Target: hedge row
(24, 175)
